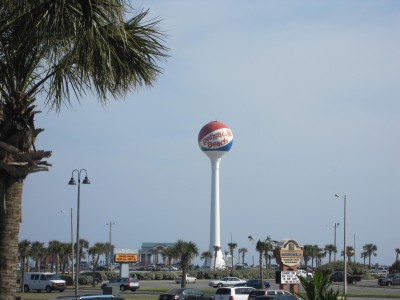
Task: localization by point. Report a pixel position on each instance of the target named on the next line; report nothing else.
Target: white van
(43, 281)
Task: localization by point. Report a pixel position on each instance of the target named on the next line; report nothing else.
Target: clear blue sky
(310, 90)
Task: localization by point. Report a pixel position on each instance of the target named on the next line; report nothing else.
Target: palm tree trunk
(10, 217)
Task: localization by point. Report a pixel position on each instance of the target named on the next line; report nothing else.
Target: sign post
(288, 255)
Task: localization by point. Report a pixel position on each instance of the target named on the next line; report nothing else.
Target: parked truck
(351, 278)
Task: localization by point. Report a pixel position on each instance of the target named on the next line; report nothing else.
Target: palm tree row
(60, 253)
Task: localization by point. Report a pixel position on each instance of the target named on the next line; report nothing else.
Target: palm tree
(206, 255)
(51, 51)
(330, 248)
(216, 249)
(307, 254)
(320, 254)
(95, 251)
(232, 247)
(23, 254)
(364, 256)
(37, 252)
(83, 244)
(370, 250)
(242, 251)
(54, 248)
(186, 251)
(261, 247)
(170, 254)
(397, 250)
(349, 253)
(65, 255)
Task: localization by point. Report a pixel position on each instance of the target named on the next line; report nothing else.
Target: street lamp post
(344, 244)
(109, 241)
(73, 182)
(334, 242)
(72, 242)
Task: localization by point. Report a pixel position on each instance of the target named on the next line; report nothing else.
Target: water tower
(215, 139)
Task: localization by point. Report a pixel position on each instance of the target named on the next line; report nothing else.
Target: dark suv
(393, 278)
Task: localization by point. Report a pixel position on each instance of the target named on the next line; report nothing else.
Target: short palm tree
(370, 249)
(206, 255)
(95, 251)
(170, 254)
(23, 254)
(54, 249)
(261, 247)
(216, 249)
(52, 50)
(37, 252)
(185, 251)
(243, 252)
(232, 247)
(330, 248)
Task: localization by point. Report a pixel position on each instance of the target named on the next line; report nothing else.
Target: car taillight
(231, 298)
(129, 282)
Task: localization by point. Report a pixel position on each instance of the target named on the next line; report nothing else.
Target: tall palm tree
(50, 51)
(206, 255)
(232, 247)
(330, 248)
(370, 250)
(186, 251)
(216, 249)
(23, 254)
(397, 250)
(242, 251)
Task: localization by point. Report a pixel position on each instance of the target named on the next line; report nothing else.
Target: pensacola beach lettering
(218, 138)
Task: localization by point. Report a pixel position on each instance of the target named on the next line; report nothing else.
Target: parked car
(98, 277)
(271, 294)
(230, 293)
(43, 281)
(256, 283)
(169, 268)
(123, 283)
(351, 278)
(227, 281)
(391, 279)
(189, 279)
(184, 294)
